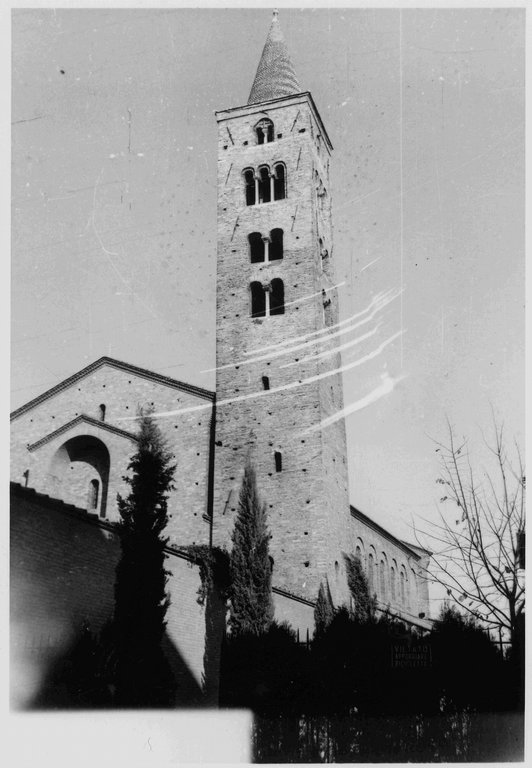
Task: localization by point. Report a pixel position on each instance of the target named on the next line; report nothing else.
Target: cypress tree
(363, 603)
(141, 673)
(251, 600)
(323, 610)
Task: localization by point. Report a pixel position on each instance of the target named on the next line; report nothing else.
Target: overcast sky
(114, 208)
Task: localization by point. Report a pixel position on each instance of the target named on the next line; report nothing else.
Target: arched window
(265, 194)
(358, 554)
(256, 247)
(266, 382)
(414, 593)
(249, 178)
(279, 182)
(403, 596)
(101, 412)
(371, 575)
(258, 300)
(270, 558)
(277, 297)
(392, 583)
(278, 461)
(264, 131)
(382, 580)
(92, 500)
(276, 245)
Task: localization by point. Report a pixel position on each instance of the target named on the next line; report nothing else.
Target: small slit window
(101, 412)
(278, 461)
(266, 382)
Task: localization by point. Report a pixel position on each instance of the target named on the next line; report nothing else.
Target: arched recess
(79, 467)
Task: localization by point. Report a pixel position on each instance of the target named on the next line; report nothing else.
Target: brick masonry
(122, 390)
(307, 501)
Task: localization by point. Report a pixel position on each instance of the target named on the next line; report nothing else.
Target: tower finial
(275, 76)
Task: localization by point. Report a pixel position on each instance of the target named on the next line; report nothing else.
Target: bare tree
(479, 548)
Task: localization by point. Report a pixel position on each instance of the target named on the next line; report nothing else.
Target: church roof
(275, 76)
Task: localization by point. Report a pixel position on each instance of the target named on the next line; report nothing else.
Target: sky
(114, 209)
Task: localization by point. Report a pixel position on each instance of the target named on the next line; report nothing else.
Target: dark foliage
(251, 601)
(267, 673)
(214, 568)
(139, 670)
(468, 669)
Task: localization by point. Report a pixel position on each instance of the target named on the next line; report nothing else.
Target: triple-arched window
(266, 247)
(265, 185)
(267, 298)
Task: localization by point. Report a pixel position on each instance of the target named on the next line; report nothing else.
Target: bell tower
(276, 312)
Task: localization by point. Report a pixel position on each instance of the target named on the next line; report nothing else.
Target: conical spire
(275, 74)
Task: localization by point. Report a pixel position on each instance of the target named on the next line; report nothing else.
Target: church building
(277, 403)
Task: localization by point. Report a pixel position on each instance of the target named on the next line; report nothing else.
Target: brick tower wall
(307, 502)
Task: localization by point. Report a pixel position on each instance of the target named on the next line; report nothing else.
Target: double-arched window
(264, 131)
(265, 185)
(267, 298)
(265, 247)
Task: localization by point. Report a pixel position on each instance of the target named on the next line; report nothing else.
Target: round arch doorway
(80, 473)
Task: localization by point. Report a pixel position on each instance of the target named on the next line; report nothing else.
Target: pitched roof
(132, 369)
(275, 76)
